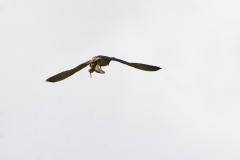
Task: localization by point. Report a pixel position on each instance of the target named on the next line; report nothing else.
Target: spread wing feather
(65, 74)
(141, 66)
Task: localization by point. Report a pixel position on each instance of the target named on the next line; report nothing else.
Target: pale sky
(189, 110)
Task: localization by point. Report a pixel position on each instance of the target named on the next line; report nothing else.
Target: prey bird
(95, 66)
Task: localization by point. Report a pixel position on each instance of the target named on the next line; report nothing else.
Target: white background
(189, 110)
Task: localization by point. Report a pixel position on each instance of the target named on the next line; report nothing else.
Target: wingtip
(158, 68)
(49, 80)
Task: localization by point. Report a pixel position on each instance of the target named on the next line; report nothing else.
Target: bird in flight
(95, 66)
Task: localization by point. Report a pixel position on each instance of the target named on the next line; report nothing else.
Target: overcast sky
(189, 110)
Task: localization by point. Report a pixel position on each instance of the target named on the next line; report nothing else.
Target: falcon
(95, 66)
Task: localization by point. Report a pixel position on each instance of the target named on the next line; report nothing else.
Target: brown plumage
(95, 65)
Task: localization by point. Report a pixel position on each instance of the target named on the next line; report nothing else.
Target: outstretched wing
(144, 67)
(68, 73)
